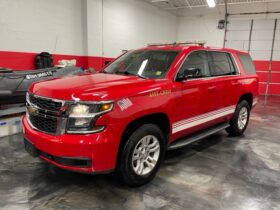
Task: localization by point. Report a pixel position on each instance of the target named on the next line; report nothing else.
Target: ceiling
(189, 4)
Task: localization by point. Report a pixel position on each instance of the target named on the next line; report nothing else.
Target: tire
(130, 170)
(240, 120)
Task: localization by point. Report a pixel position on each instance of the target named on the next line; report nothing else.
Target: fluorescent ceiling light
(211, 3)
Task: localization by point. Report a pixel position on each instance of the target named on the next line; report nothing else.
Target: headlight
(89, 110)
(79, 109)
(82, 117)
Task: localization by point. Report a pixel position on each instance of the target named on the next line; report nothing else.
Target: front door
(198, 96)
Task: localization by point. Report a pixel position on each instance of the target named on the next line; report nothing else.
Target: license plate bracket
(29, 147)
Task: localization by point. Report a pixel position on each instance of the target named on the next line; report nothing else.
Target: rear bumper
(91, 153)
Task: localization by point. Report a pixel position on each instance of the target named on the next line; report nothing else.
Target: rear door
(224, 75)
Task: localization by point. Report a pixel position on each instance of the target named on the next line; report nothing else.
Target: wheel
(239, 122)
(142, 155)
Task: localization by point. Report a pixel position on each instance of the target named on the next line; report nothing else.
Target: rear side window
(221, 64)
(247, 63)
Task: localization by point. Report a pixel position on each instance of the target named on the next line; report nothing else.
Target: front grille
(46, 104)
(44, 124)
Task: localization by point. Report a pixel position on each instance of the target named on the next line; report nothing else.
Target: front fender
(129, 109)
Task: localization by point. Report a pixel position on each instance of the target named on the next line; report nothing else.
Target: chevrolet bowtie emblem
(31, 109)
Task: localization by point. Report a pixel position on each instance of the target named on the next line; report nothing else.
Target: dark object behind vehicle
(43, 60)
(14, 84)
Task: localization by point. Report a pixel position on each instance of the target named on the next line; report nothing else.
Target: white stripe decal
(202, 116)
(191, 122)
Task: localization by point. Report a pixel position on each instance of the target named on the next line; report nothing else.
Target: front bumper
(89, 153)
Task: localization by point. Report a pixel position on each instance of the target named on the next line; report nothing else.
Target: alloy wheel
(242, 118)
(145, 155)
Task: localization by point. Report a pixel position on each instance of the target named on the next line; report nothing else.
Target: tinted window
(197, 60)
(147, 63)
(247, 63)
(221, 64)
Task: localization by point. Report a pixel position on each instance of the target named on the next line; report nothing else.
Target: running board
(195, 137)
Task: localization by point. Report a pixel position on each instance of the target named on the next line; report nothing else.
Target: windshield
(144, 63)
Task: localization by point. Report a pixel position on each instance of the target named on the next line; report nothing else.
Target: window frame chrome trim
(238, 73)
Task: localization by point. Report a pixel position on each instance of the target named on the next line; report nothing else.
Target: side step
(197, 136)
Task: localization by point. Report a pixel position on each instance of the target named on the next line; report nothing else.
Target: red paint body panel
(101, 148)
(183, 100)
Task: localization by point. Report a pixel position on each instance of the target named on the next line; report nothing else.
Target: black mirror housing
(181, 77)
(189, 73)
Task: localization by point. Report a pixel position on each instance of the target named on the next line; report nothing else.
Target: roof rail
(200, 43)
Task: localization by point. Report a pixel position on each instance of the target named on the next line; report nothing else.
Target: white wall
(261, 38)
(201, 24)
(104, 28)
(205, 29)
(200, 29)
(130, 24)
(127, 24)
(42, 25)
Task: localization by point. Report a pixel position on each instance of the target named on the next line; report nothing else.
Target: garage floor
(216, 173)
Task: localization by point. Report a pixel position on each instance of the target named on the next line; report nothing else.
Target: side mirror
(189, 73)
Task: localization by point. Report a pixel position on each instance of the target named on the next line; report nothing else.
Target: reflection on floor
(219, 172)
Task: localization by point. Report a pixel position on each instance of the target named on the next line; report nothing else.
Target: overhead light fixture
(211, 3)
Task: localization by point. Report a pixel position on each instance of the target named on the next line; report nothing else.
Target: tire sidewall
(238, 109)
(128, 174)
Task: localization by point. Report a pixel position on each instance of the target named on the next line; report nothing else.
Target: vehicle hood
(95, 87)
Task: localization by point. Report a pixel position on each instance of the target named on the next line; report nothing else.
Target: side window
(221, 64)
(196, 64)
(247, 63)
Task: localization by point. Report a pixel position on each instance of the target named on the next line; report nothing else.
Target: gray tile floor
(218, 172)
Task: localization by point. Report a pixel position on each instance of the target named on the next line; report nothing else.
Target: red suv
(147, 101)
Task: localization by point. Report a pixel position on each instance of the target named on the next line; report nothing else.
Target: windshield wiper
(129, 73)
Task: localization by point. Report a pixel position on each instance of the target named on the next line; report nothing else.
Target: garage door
(256, 37)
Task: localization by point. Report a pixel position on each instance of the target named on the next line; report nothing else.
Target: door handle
(236, 83)
(212, 88)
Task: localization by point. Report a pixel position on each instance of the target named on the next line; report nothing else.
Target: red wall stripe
(275, 77)
(262, 88)
(25, 61)
(98, 63)
(275, 66)
(274, 89)
(262, 76)
(17, 60)
(264, 65)
(261, 65)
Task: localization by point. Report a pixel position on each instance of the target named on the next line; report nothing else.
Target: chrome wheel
(145, 155)
(242, 118)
